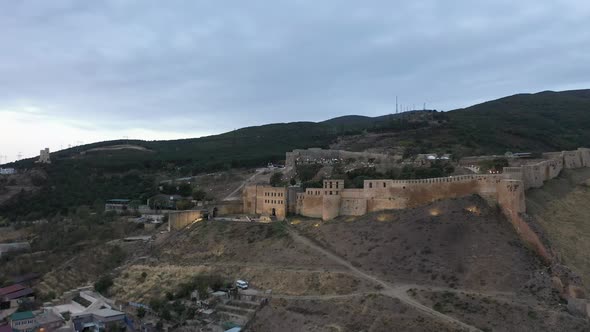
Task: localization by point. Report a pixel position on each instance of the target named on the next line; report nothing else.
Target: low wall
(181, 219)
(229, 207)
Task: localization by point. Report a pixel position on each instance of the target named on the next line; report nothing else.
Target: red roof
(5, 328)
(11, 289)
(19, 294)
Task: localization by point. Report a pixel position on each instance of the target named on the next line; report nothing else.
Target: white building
(7, 171)
(44, 156)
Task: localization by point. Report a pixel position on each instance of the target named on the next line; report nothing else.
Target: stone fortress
(380, 161)
(333, 200)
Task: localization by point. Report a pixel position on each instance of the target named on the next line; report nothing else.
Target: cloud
(204, 67)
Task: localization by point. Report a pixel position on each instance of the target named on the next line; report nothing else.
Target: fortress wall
(572, 159)
(269, 198)
(533, 175)
(353, 202)
(513, 173)
(383, 160)
(585, 156)
(355, 193)
(512, 202)
(292, 194)
(249, 197)
(390, 203)
(353, 206)
(400, 194)
(312, 206)
(555, 167)
(331, 207)
(299, 203)
(230, 207)
(181, 219)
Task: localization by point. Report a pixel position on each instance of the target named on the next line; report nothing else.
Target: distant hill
(90, 173)
(537, 122)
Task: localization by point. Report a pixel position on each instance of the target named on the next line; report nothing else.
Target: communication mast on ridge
(19, 156)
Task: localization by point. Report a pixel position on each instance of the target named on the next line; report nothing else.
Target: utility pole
(395, 104)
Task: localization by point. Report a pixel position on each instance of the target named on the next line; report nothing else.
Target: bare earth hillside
(562, 207)
(358, 313)
(459, 243)
(453, 265)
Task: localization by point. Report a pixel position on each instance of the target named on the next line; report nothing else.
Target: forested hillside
(85, 175)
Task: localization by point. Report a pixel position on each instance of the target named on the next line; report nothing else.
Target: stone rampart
(585, 156)
(512, 202)
(572, 159)
(312, 206)
(321, 156)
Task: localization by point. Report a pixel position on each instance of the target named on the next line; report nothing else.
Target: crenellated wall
(507, 189)
(333, 199)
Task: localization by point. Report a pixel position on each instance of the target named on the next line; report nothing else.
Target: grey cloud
(202, 65)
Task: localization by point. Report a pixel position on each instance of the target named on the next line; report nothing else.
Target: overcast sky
(85, 71)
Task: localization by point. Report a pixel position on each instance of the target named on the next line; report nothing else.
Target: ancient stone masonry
(380, 161)
(333, 200)
(267, 200)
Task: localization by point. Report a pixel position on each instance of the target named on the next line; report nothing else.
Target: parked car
(242, 284)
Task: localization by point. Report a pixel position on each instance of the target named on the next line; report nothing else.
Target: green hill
(525, 122)
(536, 122)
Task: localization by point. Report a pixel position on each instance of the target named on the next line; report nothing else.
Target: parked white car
(242, 284)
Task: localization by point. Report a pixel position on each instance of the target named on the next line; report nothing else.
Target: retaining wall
(181, 219)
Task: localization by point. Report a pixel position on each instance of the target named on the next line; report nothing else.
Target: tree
(165, 314)
(140, 312)
(155, 304)
(199, 195)
(185, 190)
(184, 204)
(103, 284)
(134, 204)
(276, 179)
(293, 181)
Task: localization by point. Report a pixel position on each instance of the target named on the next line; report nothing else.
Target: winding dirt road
(395, 291)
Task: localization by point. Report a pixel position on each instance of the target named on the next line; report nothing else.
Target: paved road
(395, 291)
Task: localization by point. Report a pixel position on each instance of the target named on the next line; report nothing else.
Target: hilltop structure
(7, 171)
(333, 200)
(380, 161)
(44, 157)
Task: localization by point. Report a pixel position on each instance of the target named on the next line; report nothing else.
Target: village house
(117, 205)
(7, 171)
(23, 322)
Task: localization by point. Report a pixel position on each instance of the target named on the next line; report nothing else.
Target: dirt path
(395, 291)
